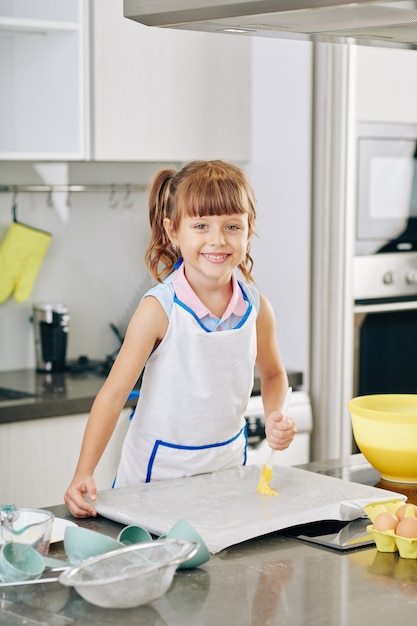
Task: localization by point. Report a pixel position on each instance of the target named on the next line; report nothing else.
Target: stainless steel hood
(379, 22)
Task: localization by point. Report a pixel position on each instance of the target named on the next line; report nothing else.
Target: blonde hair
(201, 188)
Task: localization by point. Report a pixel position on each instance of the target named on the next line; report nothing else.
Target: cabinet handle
(386, 307)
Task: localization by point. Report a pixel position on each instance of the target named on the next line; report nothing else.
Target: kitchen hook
(49, 200)
(69, 198)
(127, 201)
(14, 205)
(112, 197)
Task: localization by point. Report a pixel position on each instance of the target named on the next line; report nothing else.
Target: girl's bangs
(213, 198)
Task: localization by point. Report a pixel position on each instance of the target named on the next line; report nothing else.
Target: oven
(385, 323)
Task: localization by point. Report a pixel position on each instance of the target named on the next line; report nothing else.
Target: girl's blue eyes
(204, 227)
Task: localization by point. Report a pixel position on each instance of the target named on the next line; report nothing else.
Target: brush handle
(270, 458)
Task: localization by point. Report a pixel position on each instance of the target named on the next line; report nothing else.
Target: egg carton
(388, 540)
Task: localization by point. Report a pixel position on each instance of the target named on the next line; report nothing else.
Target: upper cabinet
(82, 82)
(43, 74)
(166, 94)
(385, 91)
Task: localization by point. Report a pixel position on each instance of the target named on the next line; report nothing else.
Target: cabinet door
(386, 90)
(38, 458)
(42, 73)
(165, 94)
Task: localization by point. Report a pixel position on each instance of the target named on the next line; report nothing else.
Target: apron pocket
(170, 460)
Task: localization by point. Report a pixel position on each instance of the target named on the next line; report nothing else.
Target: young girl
(199, 332)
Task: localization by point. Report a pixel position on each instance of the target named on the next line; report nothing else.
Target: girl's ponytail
(160, 257)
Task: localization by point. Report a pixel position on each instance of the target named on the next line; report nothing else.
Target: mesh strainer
(130, 576)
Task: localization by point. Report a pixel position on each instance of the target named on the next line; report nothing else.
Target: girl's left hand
(279, 430)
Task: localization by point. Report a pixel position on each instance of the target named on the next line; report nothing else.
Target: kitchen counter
(52, 395)
(270, 580)
(47, 395)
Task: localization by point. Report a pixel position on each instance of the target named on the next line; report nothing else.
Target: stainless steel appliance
(51, 326)
(379, 22)
(385, 319)
(384, 279)
(387, 188)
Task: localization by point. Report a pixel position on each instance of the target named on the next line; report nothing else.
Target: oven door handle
(385, 308)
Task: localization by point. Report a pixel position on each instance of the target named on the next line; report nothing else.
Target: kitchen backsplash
(94, 263)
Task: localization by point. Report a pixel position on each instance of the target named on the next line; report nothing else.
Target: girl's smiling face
(212, 245)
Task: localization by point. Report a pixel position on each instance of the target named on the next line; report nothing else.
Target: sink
(13, 394)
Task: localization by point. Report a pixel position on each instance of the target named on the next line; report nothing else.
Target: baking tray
(226, 509)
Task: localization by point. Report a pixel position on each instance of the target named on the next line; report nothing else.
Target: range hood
(379, 22)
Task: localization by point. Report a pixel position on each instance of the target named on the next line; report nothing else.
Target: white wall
(95, 261)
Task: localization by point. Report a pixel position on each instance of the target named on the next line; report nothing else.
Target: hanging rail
(113, 188)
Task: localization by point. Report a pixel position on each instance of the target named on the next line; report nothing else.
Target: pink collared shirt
(235, 310)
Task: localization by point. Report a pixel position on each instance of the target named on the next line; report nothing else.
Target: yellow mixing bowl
(385, 430)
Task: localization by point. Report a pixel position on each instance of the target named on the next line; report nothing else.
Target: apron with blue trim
(194, 394)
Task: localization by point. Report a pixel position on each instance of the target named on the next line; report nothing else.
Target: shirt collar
(185, 293)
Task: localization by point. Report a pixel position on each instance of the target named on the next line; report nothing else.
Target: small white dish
(58, 530)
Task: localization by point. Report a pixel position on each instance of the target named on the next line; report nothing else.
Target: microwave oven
(386, 218)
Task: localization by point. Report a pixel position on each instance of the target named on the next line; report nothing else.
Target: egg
(385, 521)
(406, 510)
(407, 527)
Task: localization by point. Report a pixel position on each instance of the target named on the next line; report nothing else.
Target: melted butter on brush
(263, 486)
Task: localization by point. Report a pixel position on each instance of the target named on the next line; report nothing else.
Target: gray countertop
(48, 395)
(52, 395)
(266, 581)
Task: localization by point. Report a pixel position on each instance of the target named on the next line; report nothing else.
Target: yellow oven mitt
(21, 255)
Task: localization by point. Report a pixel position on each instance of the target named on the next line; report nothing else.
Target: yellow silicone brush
(266, 474)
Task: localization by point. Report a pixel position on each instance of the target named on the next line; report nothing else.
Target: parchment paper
(226, 509)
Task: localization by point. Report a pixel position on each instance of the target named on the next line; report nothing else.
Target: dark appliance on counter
(51, 326)
(384, 279)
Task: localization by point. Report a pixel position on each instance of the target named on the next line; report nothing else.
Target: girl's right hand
(75, 497)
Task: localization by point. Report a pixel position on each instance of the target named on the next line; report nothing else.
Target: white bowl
(130, 576)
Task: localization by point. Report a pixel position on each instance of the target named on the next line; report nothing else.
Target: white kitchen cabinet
(43, 73)
(80, 82)
(38, 458)
(386, 89)
(166, 94)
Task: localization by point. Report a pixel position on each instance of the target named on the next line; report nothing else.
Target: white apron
(194, 393)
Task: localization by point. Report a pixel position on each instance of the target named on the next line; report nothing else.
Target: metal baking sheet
(226, 509)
